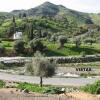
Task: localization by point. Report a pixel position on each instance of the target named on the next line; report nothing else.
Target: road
(48, 81)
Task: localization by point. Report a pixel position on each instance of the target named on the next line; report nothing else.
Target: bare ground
(12, 94)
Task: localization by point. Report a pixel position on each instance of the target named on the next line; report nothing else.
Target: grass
(92, 88)
(67, 50)
(31, 87)
(7, 44)
(36, 88)
(2, 84)
(70, 49)
(89, 64)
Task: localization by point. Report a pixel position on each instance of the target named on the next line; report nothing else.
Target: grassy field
(67, 50)
(70, 49)
(7, 44)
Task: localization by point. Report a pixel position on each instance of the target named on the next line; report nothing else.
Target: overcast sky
(80, 5)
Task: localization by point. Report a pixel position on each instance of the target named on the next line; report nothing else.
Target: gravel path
(48, 81)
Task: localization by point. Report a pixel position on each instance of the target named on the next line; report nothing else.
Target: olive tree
(77, 42)
(37, 45)
(90, 41)
(41, 67)
(62, 40)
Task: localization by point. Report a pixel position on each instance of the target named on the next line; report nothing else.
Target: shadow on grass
(53, 53)
(87, 50)
(73, 51)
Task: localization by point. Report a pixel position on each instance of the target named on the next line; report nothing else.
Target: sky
(91, 6)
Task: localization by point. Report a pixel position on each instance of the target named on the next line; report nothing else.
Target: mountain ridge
(53, 10)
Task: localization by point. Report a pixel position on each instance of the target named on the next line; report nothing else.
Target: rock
(25, 91)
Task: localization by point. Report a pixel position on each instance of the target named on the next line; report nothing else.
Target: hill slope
(52, 10)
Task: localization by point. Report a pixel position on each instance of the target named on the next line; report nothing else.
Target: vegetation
(36, 88)
(62, 40)
(41, 67)
(47, 28)
(92, 88)
(2, 84)
(37, 45)
(19, 46)
(31, 87)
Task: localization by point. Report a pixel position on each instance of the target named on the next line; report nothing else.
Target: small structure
(17, 36)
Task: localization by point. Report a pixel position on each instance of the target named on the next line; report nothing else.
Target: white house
(17, 35)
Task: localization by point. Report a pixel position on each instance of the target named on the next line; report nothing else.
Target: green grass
(31, 87)
(38, 89)
(92, 88)
(7, 44)
(2, 84)
(70, 49)
(67, 50)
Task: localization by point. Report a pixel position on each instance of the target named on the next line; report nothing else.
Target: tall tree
(14, 24)
(29, 31)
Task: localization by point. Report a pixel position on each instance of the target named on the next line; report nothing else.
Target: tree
(41, 67)
(29, 31)
(62, 40)
(77, 42)
(19, 46)
(37, 45)
(14, 24)
(24, 15)
(90, 40)
(53, 38)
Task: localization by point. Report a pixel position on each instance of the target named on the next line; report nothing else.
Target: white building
(17, 35)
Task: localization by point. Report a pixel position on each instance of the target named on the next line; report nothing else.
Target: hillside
(58, 11)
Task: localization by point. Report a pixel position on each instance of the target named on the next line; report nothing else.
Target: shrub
(53, 90)
(83, 54)
(30, 87)
(98, 90)
(36, 88)
(90, 40)
(37, 45)
(92, 88)
(2, 84)
(2, 66)
(2, 49)
(19, 46)
(0, 40)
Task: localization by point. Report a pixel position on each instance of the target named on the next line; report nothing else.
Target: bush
(2, 49)
(38, 89)
(98, 91)
(0, 40)
(90, 40)
(53, 90)
(83, 54)
(31, 87)
(2, 84)
(37, 45)
(2, 66)
(92, 88)
(19, 46)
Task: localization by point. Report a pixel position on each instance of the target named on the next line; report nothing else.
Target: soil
(14, 94)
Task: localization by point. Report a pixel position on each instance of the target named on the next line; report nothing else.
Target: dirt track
(11, 94)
